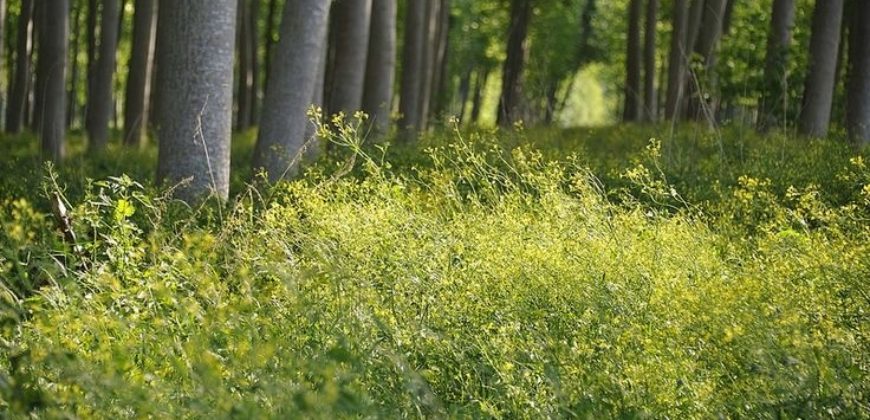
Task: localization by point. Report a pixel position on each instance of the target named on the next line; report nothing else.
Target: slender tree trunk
(20, 88)
(254, 47)
(677, 61)
(429, 53)
(351, 49)
(511, 91)
(632, 87)
(72, 101)
(269, 40)
(858, 88)
(702, 85)
(819, 86)
(245, 88)
(774, 96)
(138, 92)
(292, 82)
(92, 23)
(477, 100)
(464, 91)
(100, 102)
(440, 95)
(51, 71)
(695, 17)
(381, 64)
(195, 48)
(649, 61)
(412, 65)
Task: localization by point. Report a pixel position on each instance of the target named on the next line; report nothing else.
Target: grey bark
(381, 64)
(18, 92)
(695, 16)
(632, 86)
(412, 65)
(676, 61)
(353, 18)
(193, 112)
(818, 95)
(100, 103)
(858, 87)
(773, 100)
(650, 99)
(511, 90)
(72, 102)
(51, 73)
(138, 92)
(291, 88)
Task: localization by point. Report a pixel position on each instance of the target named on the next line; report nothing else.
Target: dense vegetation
(592, 272)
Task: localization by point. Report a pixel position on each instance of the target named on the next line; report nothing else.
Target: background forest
(434, 208)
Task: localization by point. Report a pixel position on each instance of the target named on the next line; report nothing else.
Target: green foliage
(492, 275)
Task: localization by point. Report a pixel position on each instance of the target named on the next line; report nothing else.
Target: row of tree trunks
(633, 100)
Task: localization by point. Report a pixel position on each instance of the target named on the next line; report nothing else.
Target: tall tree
(141, 65)
(632, 87)
(19, 91)
(858, 84)
(701, 99)
(773, 100)
(353, 20)
(650, 99)
(100, 103)
(511, 90)
(677, 60)
(246, 86)
(381, 64)
(818, 95)
(193, 113)
(441, 93)
(412, 65)
(291, 84)
(269, 37)
(92, 23)
(433, 11)
(72, 100)
(51, 73)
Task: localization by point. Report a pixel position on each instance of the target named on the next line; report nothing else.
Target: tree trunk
(19, 91)
(819, 86)
(412, 65)
(464, 90)
(649, 61)
(858, 88)
(51, 71)
(632, 87)
(701, 100)
(511, 91)
(774, 95)
(72, 101)
(269, 39)
(440, 94)
(292, 81)
(254, 48)
(381, 64)
(193, 115)
(353, 19)
(728, 17)
(477, 100)
(141, 64)
(429, 52)
(244, 95)
(677, 61)
(92, 23)
(100, 101)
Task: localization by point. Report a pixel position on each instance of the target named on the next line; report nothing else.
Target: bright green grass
(492, 276)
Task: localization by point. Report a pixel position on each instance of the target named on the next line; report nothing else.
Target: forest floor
(539, 273)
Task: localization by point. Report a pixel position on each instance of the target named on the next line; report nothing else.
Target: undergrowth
(493, 275)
